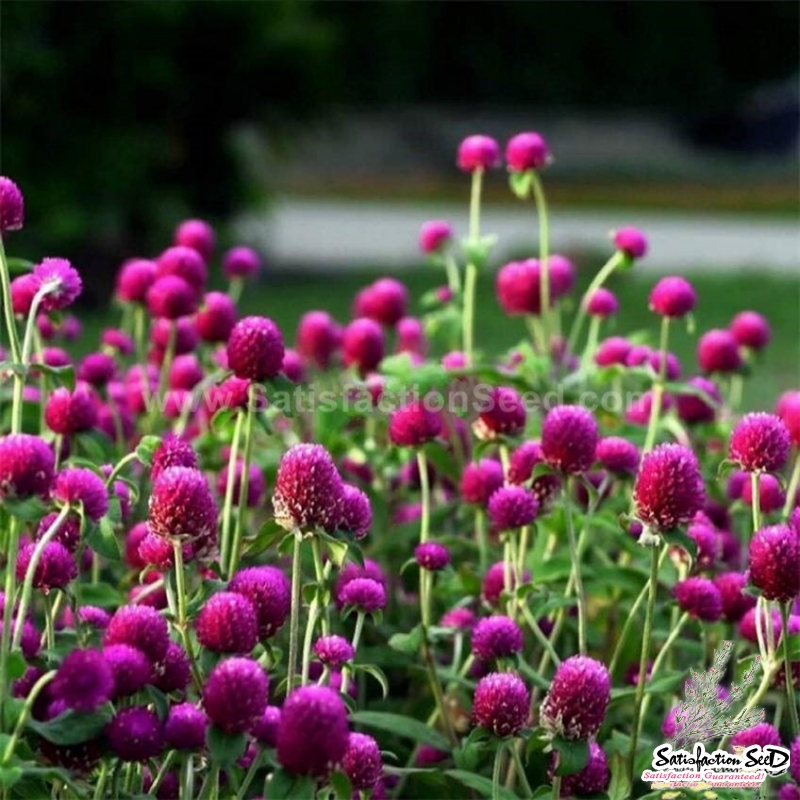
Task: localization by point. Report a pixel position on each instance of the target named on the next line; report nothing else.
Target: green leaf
(146, 448)
(103, 540)
(620, 786)
(100, 594)
(678, 538)
(480, 784)
(520, 183)
(31, 509)
(16, 665)
(666, 683)
(408, 643)
(9, 776)
(573, 756)
(269, 534)
(377, 673)
(64, 375)
(72, 727)
(18, 265)
(337, 550)
(159, 701)
(341, 785)
(290, 787)
(227, 748)
(794, 647)
(401, 726)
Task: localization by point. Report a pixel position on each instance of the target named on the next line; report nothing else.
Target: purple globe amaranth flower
(26, 466)
(385, 301)
(269, 591)
(788, 409)
(592, 779)
(718, 351)
(171, 297)
(135, 734)
(794, 759)
(186, 263)
(762, 735)
(68, 412)
(735, 603)
(576, 702)
(672, 367)
(480, 479)
(84, 681)
(669, 487)
(185, 372)
(569, 439)
(227, 623)
(240, 262)
(434, 234)
(602, 303)
(134, 279)
(356, 511)
(12, 205)
(318, 337)
(172, 452)
(77, 485)
(775, 562)
(411, 336)
(130, 667)
(216, 317)
(256, 485)
(706, 537)
(175, 670)
(751, 330)
(759, 443)
(60, 280)
(183, 331)
(363, 594)
(502, 412)
(751, 619)
(527, 151)
(770, 493)
(494, 581)
(255, 349)
(93, 616)
(501, 704)
(432, 556)
(292, 366)
(333, 651)
(97, 369)
(235, 694)
(618, 455)
(141, 627)
(413, 424)
(308, 489)
(265, 730)
(700, 598)
(512, 507)
(518, 287)
(789, 791)
(55, 569)
(673, 297)
(185, 727)
(630, 241)
(496, 637)
(478, 152)
(197, 234)
(460, 619)
(362, 762)
(363, 344)
(613, 350)
(692, 408)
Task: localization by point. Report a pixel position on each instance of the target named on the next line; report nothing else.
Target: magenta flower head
(55, 569)
(117, 340)
(255, 349)
(751, 330)
(171, 297)
(265, 730)
(23, 289)
(135, 734)
(134, 279)
(700, 598)
(26, 466)
(411, 336)
(363, 594)
(185, 727)
(759, 443)
(775, 562)
(527, 151)
(78, 486)
(97, 369)
(198, 235)
(235, 694)
(478, 152)
(362, 762)
(618, 455)
(496, 637)
(181, 506)
(175, 670)
(356, 511)
(512, 507)
(576, 702)
(60, 280)
(173, 451)
(240, 262)
(500, 704)
(385, 301)
(569, 439)
(495, 579)
(602, 303)
(130, 667)
(523, 461)
(630, 241)
(318, 337)
(269, 591)
(669, 488)
(718, 351)
(693, 408)
(434, 235)
(794, 763)
(413, 424)
(788, 409)
(12, 205)
(480, 479)
(592, 779)
(227, 623)
(186, 263)
(762, 735)
(502, 412)
(673, 297)
(308, 489)
(141, 627)
(68, 533)
(216, 317)
(333, 651)
(432, 556)
(517, 287)
(313, 734)
(84, 681)
(770, 493)
(185, 373)
(735, 603)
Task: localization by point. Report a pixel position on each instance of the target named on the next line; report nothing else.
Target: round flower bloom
(592, 779)
(517, 286)
(240, 262)
(432, 556)
(141, 627)
(672, 367)
(751, 330)
(735, 603)
(638, 355)
(759, 442)
(134, 279)
(478, 152)
(673, 297)
(613, 350)
(172, 451)
(363, 344)
(669, 487)
(308, 489)
(706, 537)
(752, 618)
(496, 637)
(631, 241)
(185, 727)
(84, 681)
(198, 235)
(171, 297)
(235, 694)
(503, 413)
(700, 598)
(356, 511)
(364, 594)
(175, 670)
(602, 303)
(318, 337)
(789, 791)
(576, 702)
(216, 317)
(55, 569)
(762, 735)
(118, 340)
(527, 151)
(333, 651)
(269, 591)
(183, 331)
(692, 408)
(500, 703)
(770, 493)
(68, 412)
(794, 762)
(23, 289)
(523, 461)
(135, 734)
(97, 369)
(63, 282)
(313, 733)
(292, 366)
(255, 485)
(78, 485)
(512, 507)
(255, 349)
(12, 205)
(26, 466)
(480, 479)
(775, 562)
(130, 668)
(411, 336)
(181, 506)
(718, 351)
(494, 582)
(227, 623)
(186, 263)
(460, 619)
(185, 373)
(434, 234)
(788, 409)
(618, 455)
(265, 730)
(362, 762)
(569, 439)
(413, 424)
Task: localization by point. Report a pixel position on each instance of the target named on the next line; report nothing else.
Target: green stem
(770, 670)
(119, 467)
(791, 491)
(556, 787)
(591, 344)
(658, 387)
(294, 613)
(787, 665)
(540, 635)
(522, 551)
(453, 278)
(249, 777)
(755, 491)
(244, 484)
(359, 629)
(162, 772)
(227, 507)
(187, 777)
(576, 568)
(8, 310)
(481, 539)
(10, 590)
(25, 713)
(523, 778)
(102, 780)
(468, 320)
(139, 315)
(498, 768)
(425, 491)
(180, 604)
(544, 255)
